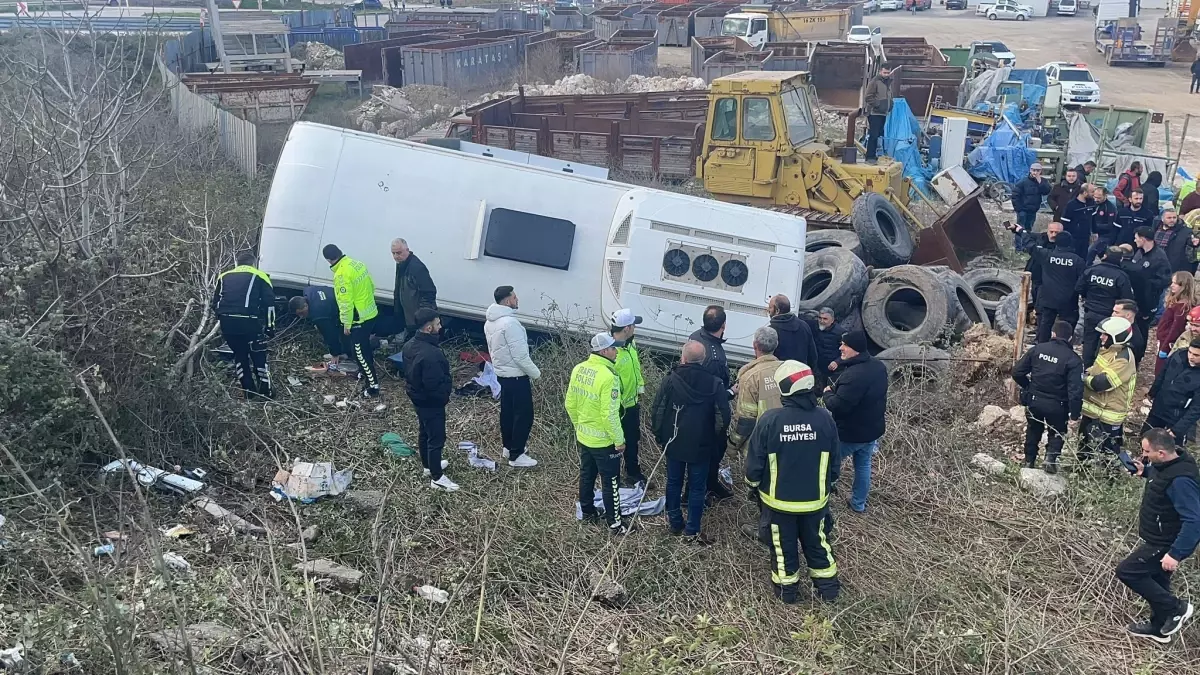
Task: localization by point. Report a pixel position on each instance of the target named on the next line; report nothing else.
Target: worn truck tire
(833, 277)
(906, 305)
(885, 239)
(1006, 314)
(819, 240)
(991, 285)
(917, 362)
(969, 309)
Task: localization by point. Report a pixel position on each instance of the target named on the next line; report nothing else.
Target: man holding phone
(1169, 525)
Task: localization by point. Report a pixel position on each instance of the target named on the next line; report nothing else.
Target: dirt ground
(1046, 39)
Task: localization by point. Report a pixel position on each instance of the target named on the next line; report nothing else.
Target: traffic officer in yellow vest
(355, 293)
(1108, 390)
(791, 452)
(593, 403)
(244, 302)
(629, 372)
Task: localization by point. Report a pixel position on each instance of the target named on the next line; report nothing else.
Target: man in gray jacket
(508, 345)
(877, 103)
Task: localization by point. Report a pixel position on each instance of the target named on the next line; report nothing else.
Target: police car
(1078, 85)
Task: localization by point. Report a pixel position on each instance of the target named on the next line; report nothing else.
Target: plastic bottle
(432, 593)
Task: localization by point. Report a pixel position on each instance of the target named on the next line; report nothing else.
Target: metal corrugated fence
(237, 138)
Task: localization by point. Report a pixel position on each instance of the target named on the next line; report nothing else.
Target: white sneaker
(504, 453)
(445, 463)
(523, 462)
(444, 483)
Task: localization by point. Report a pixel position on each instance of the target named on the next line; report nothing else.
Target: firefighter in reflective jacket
(244, 302)
(593, 404)
(756, 390)
(791, 450)
(1108, 390)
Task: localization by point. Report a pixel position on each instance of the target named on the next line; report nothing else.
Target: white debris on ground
(586, 84)
(401, 112)
(318, 56)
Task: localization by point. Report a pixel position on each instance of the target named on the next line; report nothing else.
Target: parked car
(1005, 9)
(870, 6)
(890, 5)
(1079, 87)
(1003, 55)
(1067, 7)
(956, 4)
(864, 35)
(360, 5)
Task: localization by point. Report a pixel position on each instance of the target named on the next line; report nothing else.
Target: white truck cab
(750, 26)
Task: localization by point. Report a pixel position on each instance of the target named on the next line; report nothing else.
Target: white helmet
(1117, 328)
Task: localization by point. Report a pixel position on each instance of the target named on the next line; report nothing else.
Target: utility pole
(215, 18)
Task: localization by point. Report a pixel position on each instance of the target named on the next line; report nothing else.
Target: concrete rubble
(608, 592)
(988, 463)
(1041, 484)
(586, 84)
(224, 515)
(401, 112)
(990, 415)
(318, 56)
(340, 576)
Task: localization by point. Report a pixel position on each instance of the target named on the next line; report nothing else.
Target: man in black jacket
(244, 302)
(318, 305)
(1128, 309)
(1061, 268)
(1066, 190)
(1100, 286)
(795, 337)
(1149, 272)
(1175, 240)
(414, 287)
(1077, 220)
(1132, 216)
(690, 415)
(428, 384)
(1104, 224)
(1051, 379)
(1176, 395)
(790, 448)
(829, 342)
(1027, 196)
(711, 335)
(858, 401)
(1169, 525)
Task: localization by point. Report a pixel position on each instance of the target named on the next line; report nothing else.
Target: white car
(1005, 9)
(984, 8)
(1067, 7)
(890, 5)
(864, 35)
(1079, 87)
(872, 6)
(1003, 54)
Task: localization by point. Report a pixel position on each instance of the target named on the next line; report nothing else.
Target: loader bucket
(959, 235)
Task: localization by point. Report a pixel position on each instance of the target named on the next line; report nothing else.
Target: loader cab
(757, 122)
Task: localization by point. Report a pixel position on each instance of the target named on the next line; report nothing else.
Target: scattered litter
(330, 399)
(101, 551)
(176, 562)
(381, 407)
(309, 481)
(338, 575)
(310, 534)
(343, 403)
(113, 535)
(68, 659)
(13, 658)
(726, 477)
(988, 463)
(2, 520)
(156, 478)
(221, 513)
(632, 501)
(488, 379)
(178, 532)
(195, 474)
(293, 380)
(432, 593)
(607, 592)
(396, 445)
(475, 459)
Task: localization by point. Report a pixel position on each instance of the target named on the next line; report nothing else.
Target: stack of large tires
(907, 311)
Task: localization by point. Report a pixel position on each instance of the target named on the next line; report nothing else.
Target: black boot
(1051, 465)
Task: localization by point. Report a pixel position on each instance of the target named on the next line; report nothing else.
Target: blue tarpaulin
(1033, 83)
(1004, 155)
(900, 143)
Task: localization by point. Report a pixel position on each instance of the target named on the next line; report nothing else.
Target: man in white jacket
(509, 347)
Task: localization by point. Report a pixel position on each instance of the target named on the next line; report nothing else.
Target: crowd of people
(1124, 269)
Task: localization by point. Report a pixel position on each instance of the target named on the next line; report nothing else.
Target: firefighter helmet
(1117, 328)
(1193, 315)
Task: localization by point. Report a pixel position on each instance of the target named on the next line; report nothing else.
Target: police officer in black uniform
(244, 302)
(1061, 268)
(1051, 379)
(319, 306)
(790, 448)
(1100, 286)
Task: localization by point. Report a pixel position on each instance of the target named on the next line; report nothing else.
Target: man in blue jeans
(1027, 195)
(858, 401)
(689, 418)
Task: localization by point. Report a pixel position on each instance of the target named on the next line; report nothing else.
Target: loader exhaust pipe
(850, 151)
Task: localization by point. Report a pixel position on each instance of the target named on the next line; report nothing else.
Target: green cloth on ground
(396, 445)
